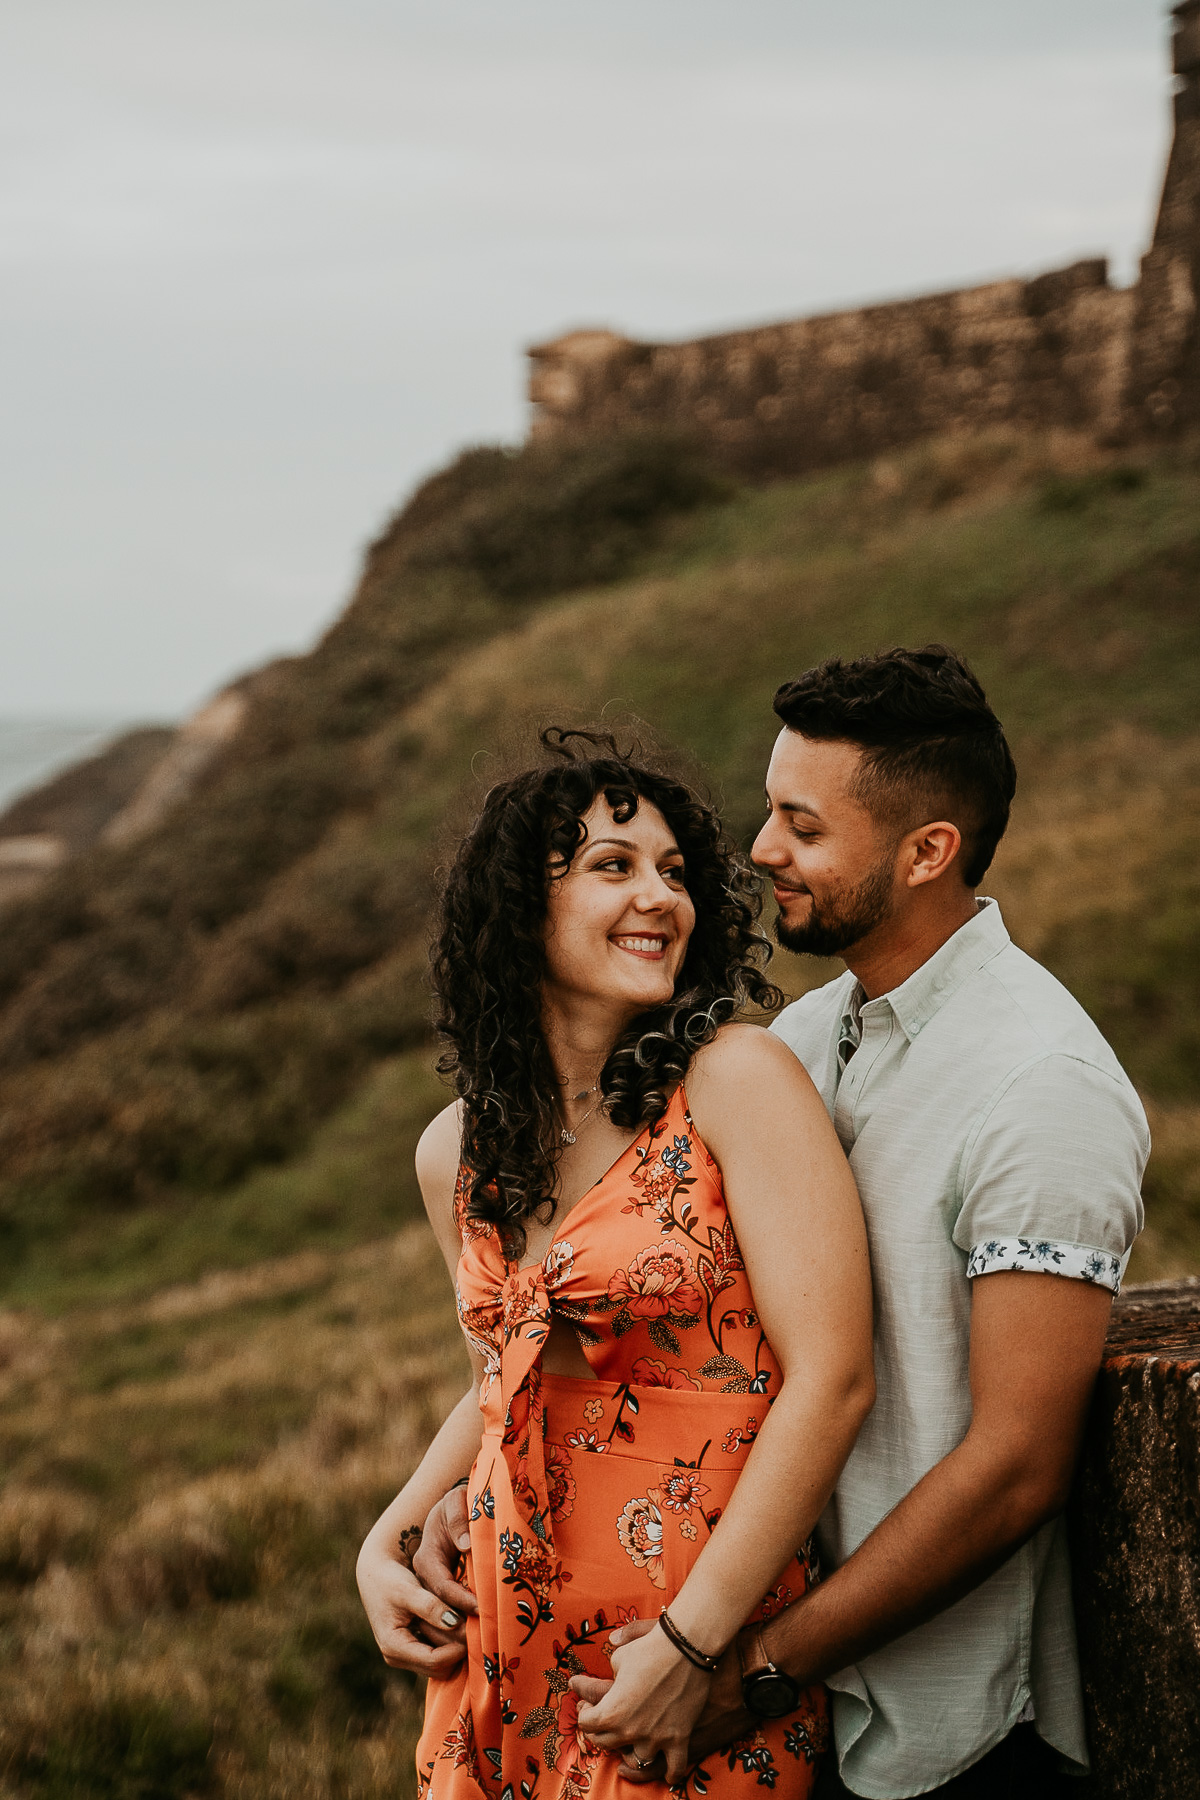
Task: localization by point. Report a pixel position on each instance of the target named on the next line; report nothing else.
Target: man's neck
(897, 949)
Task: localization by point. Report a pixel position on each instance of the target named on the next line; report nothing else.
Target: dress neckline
(515, 1268)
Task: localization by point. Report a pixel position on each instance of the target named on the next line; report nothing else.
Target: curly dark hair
(489, 964)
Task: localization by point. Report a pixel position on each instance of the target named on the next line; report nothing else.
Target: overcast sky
(265, 262)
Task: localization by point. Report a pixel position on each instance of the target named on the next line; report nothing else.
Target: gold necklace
(565, 1133)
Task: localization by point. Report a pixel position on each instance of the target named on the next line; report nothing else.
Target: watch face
(771, 1695)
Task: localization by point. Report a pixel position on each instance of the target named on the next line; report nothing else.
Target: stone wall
(1165, 351)
(1135, 1531)
(1062, 350)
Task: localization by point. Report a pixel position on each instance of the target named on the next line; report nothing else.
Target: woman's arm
(396, 1602)
(799, 1225)
(796, 1214)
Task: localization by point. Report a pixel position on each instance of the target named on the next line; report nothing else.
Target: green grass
(354, 1182)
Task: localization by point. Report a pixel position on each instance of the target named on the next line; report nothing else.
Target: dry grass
(189, 1477)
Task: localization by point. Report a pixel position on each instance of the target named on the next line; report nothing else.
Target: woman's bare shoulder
(438, 1151)
(744, 1052)
(745, 1071)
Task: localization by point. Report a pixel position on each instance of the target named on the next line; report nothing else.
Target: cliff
(41, 830)
(207, 1021)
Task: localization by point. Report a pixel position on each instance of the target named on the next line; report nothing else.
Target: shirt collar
(917, 1000)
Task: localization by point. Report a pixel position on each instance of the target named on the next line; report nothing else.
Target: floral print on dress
(679, 1490)
(640, 1529)
(557, 1265)
(591, 1499)
(648, 1371)
(560, 1482)
(659, 1283)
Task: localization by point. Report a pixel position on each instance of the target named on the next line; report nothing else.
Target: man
(998, 1149)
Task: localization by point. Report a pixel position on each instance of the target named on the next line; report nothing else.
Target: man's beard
(843, 918)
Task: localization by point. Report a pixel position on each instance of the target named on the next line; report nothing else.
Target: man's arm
(1036, 1343)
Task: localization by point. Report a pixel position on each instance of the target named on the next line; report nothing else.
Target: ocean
(31, 750)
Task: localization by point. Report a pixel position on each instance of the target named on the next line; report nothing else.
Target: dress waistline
(608, 1418)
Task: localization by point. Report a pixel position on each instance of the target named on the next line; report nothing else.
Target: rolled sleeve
(1051, 1182)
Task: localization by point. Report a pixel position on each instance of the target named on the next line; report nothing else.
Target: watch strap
(752, 1652)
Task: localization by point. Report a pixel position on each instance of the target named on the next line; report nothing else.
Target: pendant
(568, 1137)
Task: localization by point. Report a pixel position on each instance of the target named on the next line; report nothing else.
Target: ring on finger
(637, 1759)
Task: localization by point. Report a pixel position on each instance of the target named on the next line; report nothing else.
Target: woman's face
(619, 920)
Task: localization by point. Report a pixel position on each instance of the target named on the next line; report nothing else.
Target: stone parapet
(1135, 1534)
(782, 399)
(1061, 351)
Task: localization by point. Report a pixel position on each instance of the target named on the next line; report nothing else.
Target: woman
(664, 1293)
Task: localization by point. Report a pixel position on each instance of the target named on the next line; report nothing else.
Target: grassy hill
(218, 1356)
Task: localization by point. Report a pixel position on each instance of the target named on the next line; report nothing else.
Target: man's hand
(446, 1534)
(725, 1718)
(723, 1721)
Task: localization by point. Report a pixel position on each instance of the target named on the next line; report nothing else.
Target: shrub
(356, 1676)
(182, 1551)
(553, 517)
(38, 1526)
(1074, 493)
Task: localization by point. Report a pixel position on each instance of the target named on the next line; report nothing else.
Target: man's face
(832, 868)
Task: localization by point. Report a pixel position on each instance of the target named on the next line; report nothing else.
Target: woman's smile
(649, 944)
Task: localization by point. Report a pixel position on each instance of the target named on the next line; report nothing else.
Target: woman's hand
(655, 1699)
(413, 1628)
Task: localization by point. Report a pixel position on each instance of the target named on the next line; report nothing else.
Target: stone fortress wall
(1064, 349)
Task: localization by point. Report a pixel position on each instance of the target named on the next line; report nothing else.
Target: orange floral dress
(590, 1500)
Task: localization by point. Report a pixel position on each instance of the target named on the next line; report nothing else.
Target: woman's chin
(650, 994)
(629, 990)
(628, 999)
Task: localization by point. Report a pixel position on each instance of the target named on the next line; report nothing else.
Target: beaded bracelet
(685, 1647)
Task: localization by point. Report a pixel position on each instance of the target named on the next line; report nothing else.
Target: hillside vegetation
(224, 1342)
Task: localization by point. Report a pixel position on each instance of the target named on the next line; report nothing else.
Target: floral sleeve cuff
(1043, 1256)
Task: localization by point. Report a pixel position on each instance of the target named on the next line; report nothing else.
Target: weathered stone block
(1135, 1535)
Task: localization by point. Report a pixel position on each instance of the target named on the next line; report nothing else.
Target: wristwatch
(767, 1691)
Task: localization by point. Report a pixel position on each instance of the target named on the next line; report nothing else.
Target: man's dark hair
(932, 746)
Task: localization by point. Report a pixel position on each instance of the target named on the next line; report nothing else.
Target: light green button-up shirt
(989, 1126)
